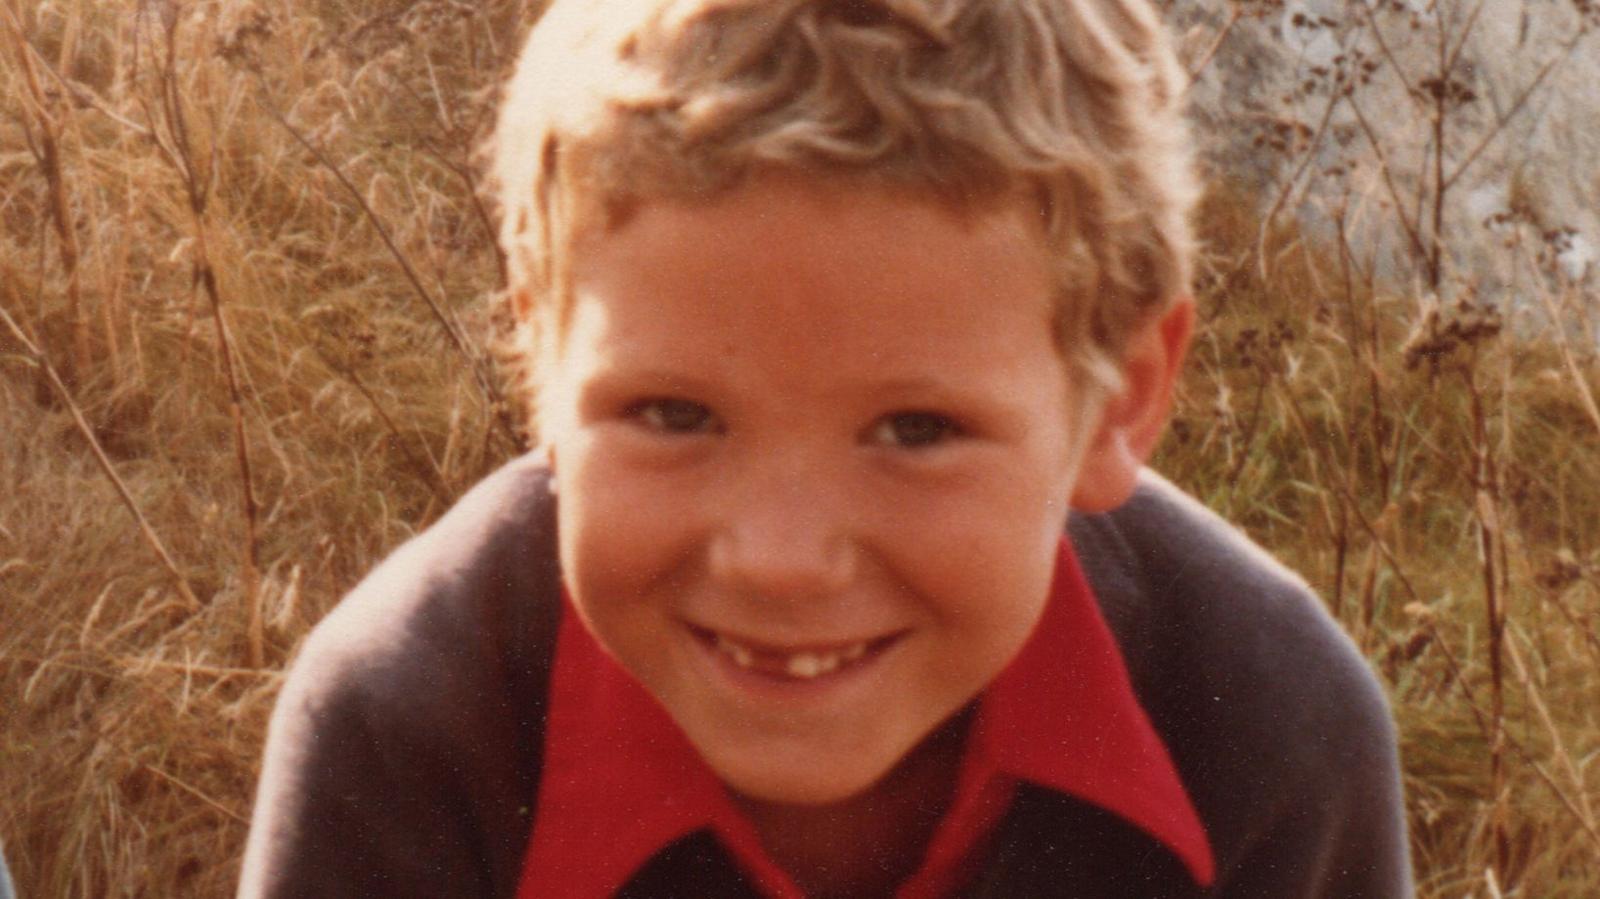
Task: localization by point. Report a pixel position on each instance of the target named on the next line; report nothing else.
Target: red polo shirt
(621, 782)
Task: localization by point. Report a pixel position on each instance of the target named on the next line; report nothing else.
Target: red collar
(620, 781)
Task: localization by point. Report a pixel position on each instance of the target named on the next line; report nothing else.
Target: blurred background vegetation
(243, 272)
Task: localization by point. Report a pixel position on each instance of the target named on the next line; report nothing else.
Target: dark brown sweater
(403, 757)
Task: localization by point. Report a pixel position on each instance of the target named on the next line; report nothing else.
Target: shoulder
(449, 632)
(403, 751)
(1275, 721)
(1198, 607)
(467, 588)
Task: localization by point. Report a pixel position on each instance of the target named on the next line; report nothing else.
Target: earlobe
(1109, 473)
(1133, 419)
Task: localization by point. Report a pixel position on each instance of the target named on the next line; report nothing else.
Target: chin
(807, 784)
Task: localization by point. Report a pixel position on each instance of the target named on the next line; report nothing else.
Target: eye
(914, 430)
(674, 416)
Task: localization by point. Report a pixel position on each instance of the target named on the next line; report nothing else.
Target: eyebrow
(620, 373)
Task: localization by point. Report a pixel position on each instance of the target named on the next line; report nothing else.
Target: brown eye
(914, 430)
(674, 416)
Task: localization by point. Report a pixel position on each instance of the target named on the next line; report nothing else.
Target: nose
(785, 533)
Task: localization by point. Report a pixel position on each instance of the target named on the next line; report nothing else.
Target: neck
(867, 844)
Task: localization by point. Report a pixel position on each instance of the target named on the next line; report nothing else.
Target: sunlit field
(246, 350)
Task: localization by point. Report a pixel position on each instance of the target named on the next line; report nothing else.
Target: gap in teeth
(803, 665)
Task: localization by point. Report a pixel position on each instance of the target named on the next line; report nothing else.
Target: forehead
(801, 291)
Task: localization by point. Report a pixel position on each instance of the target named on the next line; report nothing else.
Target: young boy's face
(814, 446)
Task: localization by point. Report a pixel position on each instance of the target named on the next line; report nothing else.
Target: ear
(1132, 420)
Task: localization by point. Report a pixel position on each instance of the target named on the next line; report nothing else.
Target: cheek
(611, 555)
(983, 553)
(619, 528)
(997, 588)
(1006, 507)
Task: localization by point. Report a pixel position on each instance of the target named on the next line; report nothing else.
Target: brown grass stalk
(179, 582)
(475, 361)
(197, 793)
(1558, 335)
(1343, 482)
(1486, 514)
(430, 473)
(197, 193)
(45, 132)
(1281, 198)
(1482, 719)
(1576, 799)
(1198, 68)
(136, 664)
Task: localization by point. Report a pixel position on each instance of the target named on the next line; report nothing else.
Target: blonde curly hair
(1071, 104)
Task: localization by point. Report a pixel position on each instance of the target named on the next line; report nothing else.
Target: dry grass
(1302, 420)
(290, 197)
(133, 722)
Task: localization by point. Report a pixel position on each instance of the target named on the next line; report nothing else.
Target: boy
(830, 311)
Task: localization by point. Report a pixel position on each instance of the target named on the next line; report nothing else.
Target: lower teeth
(804, 666)
(810, 666)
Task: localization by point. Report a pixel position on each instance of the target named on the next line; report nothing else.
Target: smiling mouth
(805, 663)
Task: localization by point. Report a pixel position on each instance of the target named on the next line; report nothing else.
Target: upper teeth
(805, 664)
(743, 657)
